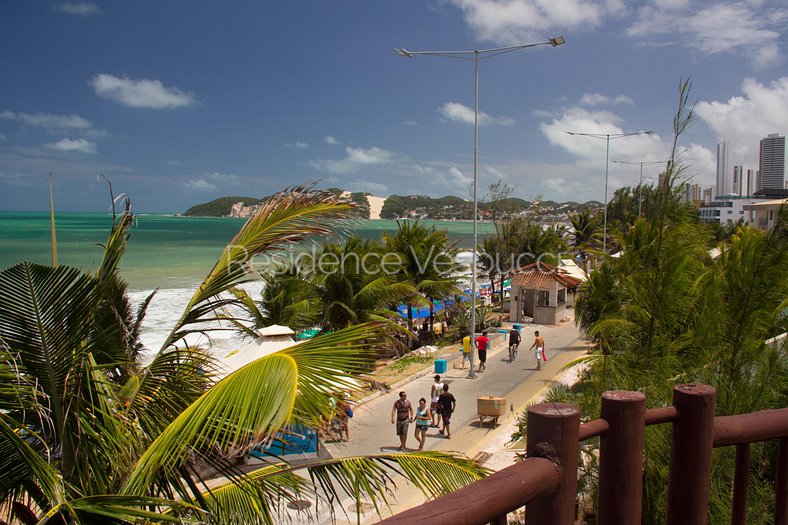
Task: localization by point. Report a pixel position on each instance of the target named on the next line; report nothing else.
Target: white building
(728, 208)
(766, 212)
(773, 162)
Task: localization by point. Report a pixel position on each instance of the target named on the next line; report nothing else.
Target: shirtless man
(539, 344)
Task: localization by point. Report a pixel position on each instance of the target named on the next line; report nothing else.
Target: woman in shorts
(422, 422)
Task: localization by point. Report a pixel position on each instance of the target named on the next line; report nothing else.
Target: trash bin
(440, 366)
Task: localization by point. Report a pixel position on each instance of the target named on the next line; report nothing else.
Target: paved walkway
(371, 431)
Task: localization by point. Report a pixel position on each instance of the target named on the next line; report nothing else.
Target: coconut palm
(88, 434)
(586, 228)
(428, 261)
(287, 299)
(352, 286)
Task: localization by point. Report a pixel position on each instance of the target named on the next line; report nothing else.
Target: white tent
(272, 339)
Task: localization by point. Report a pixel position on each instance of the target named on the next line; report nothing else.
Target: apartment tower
(772, 161)
(724, 169)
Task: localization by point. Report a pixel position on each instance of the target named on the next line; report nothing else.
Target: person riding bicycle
(514, 343)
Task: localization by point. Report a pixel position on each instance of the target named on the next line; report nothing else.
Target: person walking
(466, 351)
(401, 415)
(539, 344)
(448, 404)
(435, 391)
(514, 343)
(481, 349)
(422, 422)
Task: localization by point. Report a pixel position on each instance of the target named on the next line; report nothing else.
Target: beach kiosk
(542, 292)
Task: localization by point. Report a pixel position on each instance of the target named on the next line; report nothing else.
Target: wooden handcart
(490, 408)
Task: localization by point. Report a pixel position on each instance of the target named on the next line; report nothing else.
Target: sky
(181, 102)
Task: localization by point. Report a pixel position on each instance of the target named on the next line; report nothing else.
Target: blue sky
(180, 102)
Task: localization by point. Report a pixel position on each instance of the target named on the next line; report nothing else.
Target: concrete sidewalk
(371, 431)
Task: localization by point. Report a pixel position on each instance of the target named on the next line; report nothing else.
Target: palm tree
(287, 299)
(586, 228)
(428, 261)
(351, 286)
(88, 434)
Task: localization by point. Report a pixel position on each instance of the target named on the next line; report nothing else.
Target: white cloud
(331, 140)
(224, 178)
(143, 93)
(597, 99)
(410, 123)
(592, 151)
(512, 21)
(71, 145)
(745, 120)
(459, 178)
(173, 163)
(3, 137)
(302, 145)
(718, 27)
(356, 159)
(199, 185)
(77, 8)
(48, 121)
(461, 113)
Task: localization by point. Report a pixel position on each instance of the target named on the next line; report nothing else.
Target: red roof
(541, 276)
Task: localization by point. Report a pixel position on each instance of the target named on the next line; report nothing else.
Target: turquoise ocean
(165, 252)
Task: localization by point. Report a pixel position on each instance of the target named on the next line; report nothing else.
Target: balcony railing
(546, 482)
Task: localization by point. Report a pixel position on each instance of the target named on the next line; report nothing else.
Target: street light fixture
(640, 185)
(608, 137)
(477, 55)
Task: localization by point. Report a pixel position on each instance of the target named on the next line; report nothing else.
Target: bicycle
(513, 351)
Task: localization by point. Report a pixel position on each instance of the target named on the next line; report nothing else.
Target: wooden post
(741, 485)
(690, 455)
(553, 430)
(621, 458)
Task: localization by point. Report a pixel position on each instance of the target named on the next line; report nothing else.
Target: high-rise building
(751, 180)
(724, 168)
(773, 162)
(739, 184)
(694, 192)
(708, 194)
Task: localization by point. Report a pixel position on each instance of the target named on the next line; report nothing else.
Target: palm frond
(241, 409)
(288, 217)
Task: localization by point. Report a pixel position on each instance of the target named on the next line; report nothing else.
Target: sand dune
(375, 205)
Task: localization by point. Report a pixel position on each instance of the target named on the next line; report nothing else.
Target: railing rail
(486, 500)
(546, 481)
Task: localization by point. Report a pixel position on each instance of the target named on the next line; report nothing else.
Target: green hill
(219, 207)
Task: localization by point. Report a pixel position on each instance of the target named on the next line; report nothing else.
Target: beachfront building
(765, 212)
(542, 293)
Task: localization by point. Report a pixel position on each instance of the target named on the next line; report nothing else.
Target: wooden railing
(546, 482)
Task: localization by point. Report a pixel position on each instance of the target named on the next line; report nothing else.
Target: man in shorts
(401, 415)
(481, 348)
(448, 403)
(435, 391)
(539, 344)
(514, 343)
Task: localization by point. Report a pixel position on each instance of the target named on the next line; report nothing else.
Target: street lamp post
(608, 137)
(477, 55)
(640, 185)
